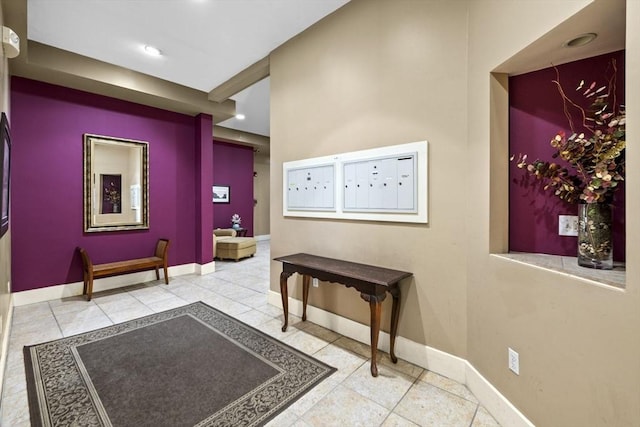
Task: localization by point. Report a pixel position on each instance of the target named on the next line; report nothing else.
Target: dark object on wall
(111, 193)
(5, 163)
(117, 200)
(221, 194)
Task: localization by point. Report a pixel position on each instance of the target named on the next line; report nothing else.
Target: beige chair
(221, 234)
(227, 246)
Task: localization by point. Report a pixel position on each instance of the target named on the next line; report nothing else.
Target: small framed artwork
(111, 193)
(221, 194)
(5, 163)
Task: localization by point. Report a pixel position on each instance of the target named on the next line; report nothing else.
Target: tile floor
(402, 395)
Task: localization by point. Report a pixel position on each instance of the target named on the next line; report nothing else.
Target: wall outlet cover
(514, 361)
(568, 225)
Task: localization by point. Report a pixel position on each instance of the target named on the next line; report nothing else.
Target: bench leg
(85, 279)
(89, 287)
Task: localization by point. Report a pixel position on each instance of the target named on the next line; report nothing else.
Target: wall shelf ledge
(615, 278)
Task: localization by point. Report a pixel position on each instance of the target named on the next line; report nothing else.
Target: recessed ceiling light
(580, 40)
(152, 51)
(240, 116)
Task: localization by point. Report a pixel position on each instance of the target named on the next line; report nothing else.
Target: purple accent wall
(204, 181)
(48, 123)
(536, 115)
(233, 166)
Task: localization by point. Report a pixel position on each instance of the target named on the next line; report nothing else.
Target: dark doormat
(190, 366)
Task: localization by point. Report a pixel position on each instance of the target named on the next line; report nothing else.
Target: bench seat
(92, 271)
(109, 268)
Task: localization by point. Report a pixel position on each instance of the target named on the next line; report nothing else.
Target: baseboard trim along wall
(4, 346)
(437, 361)
(106, 283)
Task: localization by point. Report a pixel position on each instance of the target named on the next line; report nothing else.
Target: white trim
(263, 237)
(73, 289)
(203, 269)
(430, 358)
(4, 346)
(498, 406)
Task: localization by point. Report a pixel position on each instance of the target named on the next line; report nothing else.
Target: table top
(364, 272)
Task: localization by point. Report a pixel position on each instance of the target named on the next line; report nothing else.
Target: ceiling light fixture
(240, 116)
(580, 40)
(152, 51)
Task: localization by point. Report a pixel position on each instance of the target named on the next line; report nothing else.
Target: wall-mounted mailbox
(381, 184)
(311, 188)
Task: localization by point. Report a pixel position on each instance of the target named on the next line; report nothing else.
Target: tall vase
(595, 247)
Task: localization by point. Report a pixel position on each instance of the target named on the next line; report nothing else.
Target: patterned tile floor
(402, 395)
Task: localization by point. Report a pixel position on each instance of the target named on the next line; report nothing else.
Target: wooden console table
(372, 282)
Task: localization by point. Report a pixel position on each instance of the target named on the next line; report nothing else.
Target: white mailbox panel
(379, 184)
(406, 183)
(293, 194)
(362, 185)
(307, 188)
(350, 183)
(382, 185)
(389, 175)
(328, 183)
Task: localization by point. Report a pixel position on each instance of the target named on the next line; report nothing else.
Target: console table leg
(285, 298)
(395, 314)
(306, 279)
(376, 309)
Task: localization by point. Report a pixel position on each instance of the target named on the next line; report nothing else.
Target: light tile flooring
(402, 394)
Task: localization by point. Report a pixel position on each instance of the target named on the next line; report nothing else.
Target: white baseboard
(203, 269)
(73, 289)
(263, 237)
(499, 406)
(437, 361)
(4, 346)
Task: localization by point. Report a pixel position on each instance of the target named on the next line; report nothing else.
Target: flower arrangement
(235, 219)
(112, 195)
(595, 151)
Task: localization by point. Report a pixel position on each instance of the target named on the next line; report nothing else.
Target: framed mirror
(5, 157)
(116, 184)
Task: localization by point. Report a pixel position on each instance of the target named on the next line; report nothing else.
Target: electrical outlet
(514, 361)
(314, 282)
(568, 225)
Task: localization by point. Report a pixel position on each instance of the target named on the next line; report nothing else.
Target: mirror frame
(113, 221)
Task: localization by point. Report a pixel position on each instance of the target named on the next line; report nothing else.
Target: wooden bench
(92, 271)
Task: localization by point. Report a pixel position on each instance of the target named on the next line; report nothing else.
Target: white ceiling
(203, 42)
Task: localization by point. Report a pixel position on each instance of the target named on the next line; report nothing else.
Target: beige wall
(378, 73)
(578, 345)
(261, 217)
(5, 241)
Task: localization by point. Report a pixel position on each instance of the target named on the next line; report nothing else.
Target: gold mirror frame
(116, 184)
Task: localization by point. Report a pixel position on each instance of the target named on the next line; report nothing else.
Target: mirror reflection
(115, 184)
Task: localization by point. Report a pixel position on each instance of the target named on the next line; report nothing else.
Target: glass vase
(595, 248)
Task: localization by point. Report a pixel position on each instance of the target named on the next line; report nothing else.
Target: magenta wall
(536, 115)
(233, 166)
(48, 123)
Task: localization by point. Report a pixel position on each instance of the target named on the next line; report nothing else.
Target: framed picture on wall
(221, 194)
(5, 163)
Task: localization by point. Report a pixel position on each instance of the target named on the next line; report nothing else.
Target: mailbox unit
(381, 184)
